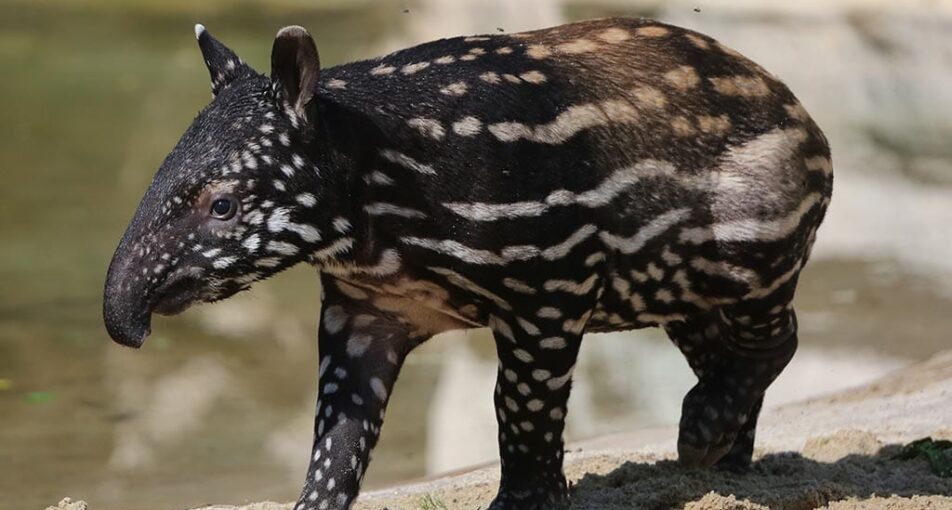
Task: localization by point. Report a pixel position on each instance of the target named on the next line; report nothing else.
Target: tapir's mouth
(175, 295)
(127, 311)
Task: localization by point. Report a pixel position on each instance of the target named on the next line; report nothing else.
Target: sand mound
(835, 453)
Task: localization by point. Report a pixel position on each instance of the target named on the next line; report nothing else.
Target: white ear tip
(293, 31)
(199, 30)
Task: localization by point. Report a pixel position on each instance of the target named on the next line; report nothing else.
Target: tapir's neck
(347, 150)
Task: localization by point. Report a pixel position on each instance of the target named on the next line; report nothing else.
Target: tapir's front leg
(361, 349)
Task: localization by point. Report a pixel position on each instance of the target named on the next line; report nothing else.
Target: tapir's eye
(223, 208)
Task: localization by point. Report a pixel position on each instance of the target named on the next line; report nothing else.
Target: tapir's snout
(127, 329)
(125, 307)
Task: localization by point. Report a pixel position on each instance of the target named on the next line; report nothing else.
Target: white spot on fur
(252, 243)
(614, 35)
(467, 126)
(518, 286)
(538, 51)
(379, 389)
(455, 89)
(650, 96)
(502, 328)
(654, 228)
(282, 248)
(752, 229)
(573, 287)
(338, 247)
(414, 68)
(578, 46)
(382, 70)
(279, 219)
(335, 318)
(306, 199)
(819, 164)
(342, 225)
(698, 41)
(528, 327)
(382, 208)
(604, 193)
(719, 125)
(431, 128)
(595, 258)
(267, 262)
(742, 86)
(407, 162)
(652, 31)
(558, 382)
(490, 77)
(534, 77)
(567, 124)
(358, 344)
(553, 343)
(523, 355)
(683, 78)
(379, 178)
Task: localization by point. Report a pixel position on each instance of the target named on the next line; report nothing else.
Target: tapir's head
(232, 202)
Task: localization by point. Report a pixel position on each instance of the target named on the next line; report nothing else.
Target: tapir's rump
(598, 176)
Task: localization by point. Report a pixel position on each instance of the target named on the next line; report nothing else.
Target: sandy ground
(834, 453)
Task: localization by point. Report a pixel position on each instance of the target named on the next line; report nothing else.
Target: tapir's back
(643, 138)
(654, 90)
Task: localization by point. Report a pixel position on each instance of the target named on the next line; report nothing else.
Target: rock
(68, 504)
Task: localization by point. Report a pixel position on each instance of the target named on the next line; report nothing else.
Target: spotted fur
(598, 176)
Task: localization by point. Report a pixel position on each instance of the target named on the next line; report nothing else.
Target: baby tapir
(598, 176)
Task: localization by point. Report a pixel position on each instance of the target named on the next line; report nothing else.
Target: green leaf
(938, 453)
(40, 397)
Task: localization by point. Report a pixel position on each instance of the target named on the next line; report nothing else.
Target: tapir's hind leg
(736, 352)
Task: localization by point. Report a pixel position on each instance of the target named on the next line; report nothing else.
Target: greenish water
(216, 407)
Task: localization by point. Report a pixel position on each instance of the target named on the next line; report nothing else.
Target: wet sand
(835, 452)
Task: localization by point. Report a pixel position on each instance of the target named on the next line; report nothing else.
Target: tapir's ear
(295, 66)
(223, 65)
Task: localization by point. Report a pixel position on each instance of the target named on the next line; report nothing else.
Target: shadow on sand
(786, 481)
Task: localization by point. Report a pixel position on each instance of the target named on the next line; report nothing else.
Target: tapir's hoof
(693, 456)
(710, 426)
(530, 500)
